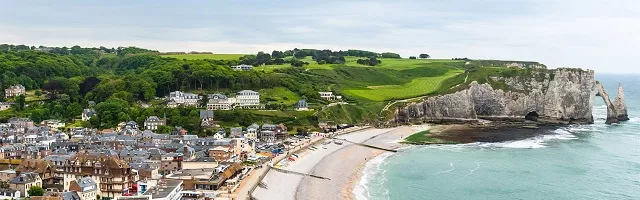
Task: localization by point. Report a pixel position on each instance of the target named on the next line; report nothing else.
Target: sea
(595, 161)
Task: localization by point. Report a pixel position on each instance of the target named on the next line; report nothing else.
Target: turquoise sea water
(595, 161)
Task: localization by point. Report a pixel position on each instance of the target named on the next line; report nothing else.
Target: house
(327, 96)
(53, 123)
(247, 99)
(4, 106)
(206, 115)
(267, 133)
(129, 125)
(187, 152)
(242, 67)
(112, 175)
(206, 119)
(14, 90)
(219, 135)
(252, 131)
(221, 153)
(185, 99)
(70, 196)
(45, 170)
(88, 113)
(166, 189)
(206, 178)
(24, 181)
(301, 105)
(235, 132)
(153, 122)
(86, 188)
(178, 130)
(220, 102)
(7, 175)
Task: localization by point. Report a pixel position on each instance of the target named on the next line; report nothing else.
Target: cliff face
(559, 96)
(620, 105)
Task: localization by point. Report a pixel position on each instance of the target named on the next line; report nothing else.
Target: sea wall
(558, 96)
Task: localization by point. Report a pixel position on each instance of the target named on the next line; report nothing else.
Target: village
(133, 161)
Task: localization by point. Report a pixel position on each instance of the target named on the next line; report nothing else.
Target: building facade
(219, 102)
(247, 99)
(113, 176)
(185, 99)
(153, 122)
(14, 90)
(242, 67)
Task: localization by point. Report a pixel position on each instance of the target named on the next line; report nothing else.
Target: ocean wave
(634, 119)
(361, 190)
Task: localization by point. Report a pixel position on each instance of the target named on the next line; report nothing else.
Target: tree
(88, 84)
(53, 87)
(35, 191)
(277, 54)
(19, 103)
(412, 57)
(424, 56)
(204, 100)
(38, 93)
(372, 61)
(389, 55)
(164, 129)
(4, 184)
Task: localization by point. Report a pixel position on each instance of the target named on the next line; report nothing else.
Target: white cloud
(596, 34)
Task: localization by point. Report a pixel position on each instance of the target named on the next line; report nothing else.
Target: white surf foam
(361, 190)
(634, 119)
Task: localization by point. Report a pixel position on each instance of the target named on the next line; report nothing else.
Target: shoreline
(345, 165)
(282, 186)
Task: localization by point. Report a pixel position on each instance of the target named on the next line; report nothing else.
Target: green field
(279, 95)
(30, 96)
(205, 56)
(417, 87)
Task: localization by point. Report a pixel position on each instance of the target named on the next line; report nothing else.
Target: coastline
(345, 165)
(283, 186)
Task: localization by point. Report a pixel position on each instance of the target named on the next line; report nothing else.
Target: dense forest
(120, 79)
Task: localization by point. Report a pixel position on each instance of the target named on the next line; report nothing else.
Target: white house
(252, 131)
(247, 98)
(220, 102)
(53, 123)
(88, 113)
(153, 122)
(4, 106)
(327, 96)
(186, 99)
(242, 67)
(14, 90)
(301, 105)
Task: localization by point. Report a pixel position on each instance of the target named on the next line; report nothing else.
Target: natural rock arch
(617, 110)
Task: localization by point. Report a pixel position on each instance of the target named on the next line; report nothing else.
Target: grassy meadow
(279, 95)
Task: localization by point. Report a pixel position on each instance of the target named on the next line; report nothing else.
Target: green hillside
(121, 80)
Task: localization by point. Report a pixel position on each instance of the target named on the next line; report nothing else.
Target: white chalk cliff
(553, 96)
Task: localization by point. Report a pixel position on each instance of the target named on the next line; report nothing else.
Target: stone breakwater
(559, 96)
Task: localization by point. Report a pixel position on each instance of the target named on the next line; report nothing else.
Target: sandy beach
(341, 163)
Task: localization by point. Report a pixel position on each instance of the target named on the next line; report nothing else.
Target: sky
(603, 35)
